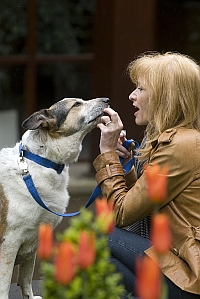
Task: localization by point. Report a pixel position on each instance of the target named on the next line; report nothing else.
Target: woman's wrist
(106, 150)
(105, 158)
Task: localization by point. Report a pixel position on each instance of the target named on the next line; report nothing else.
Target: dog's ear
(38, 119)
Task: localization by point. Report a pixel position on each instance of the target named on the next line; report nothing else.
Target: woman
(167, 101)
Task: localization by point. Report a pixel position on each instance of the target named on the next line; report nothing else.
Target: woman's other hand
(121, 150)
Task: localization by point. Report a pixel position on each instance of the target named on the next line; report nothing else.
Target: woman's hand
(111, 127)
(121, 150)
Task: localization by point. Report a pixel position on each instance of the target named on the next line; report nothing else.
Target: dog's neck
(63, 150)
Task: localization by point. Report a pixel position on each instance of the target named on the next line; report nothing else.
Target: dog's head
(68, 116)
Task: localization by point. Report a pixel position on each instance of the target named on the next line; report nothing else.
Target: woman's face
(140, 99)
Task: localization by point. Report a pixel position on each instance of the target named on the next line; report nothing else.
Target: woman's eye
(140, 88)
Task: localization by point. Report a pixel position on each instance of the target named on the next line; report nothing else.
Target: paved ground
(81, 186)
(15, 292)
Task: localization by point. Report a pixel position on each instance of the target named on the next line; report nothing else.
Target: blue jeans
(125, 248)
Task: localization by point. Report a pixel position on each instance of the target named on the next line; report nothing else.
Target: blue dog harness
(23, 153)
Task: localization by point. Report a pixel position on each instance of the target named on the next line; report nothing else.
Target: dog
(55, 134)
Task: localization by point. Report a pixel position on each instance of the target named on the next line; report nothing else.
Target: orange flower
(105, 214)
(87, 251)
(160, 233)
(149, 279)
(64, 263)
(156, 182)
(45, 241)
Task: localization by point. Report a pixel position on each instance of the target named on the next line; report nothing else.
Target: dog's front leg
(25, 277)
(7, 260)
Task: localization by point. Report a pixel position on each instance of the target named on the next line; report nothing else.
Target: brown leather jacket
(180, 150)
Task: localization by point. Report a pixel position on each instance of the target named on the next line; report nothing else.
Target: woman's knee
(127, 242)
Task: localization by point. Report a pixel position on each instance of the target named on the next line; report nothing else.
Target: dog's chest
(24, 215)
(21, 214)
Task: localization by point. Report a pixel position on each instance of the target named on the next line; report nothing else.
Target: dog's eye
(77, 104)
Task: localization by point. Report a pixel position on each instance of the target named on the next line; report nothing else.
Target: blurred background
(51, 49)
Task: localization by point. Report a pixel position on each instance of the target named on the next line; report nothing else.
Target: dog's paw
(37, 297)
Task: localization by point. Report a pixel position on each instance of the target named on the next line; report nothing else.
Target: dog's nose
(106, 100)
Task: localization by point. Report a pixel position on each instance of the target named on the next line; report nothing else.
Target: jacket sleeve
(131, 205)
(115, 186)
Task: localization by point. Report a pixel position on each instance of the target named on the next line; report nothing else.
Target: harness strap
(40, 160)
(96, 192)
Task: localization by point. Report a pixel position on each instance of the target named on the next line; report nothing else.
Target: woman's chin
(140, 122)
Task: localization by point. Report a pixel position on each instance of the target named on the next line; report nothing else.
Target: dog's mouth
(95, 119)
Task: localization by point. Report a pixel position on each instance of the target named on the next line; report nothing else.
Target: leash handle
(129, 144)
(96, 192)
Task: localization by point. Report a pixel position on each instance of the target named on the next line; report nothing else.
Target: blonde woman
(167, 100)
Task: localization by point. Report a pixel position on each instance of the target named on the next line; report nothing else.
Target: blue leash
(59, 168)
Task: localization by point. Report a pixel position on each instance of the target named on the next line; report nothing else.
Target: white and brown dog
(56, 134)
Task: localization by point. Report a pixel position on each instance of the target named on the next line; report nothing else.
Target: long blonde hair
(173, 80)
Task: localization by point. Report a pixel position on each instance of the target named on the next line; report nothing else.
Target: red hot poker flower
(103, 206)
(160, 233)
(149, 279)
(64, 263)
(45, 241)
(105, 214)
(156, 182)
(87, 249)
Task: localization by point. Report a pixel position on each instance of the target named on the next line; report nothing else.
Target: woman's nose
(132, 96)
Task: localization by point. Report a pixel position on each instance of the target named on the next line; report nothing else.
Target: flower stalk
(150, 283)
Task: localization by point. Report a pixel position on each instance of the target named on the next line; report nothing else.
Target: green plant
(88, 277)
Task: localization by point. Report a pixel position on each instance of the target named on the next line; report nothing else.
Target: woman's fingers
(110, 126)
(122, 151)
